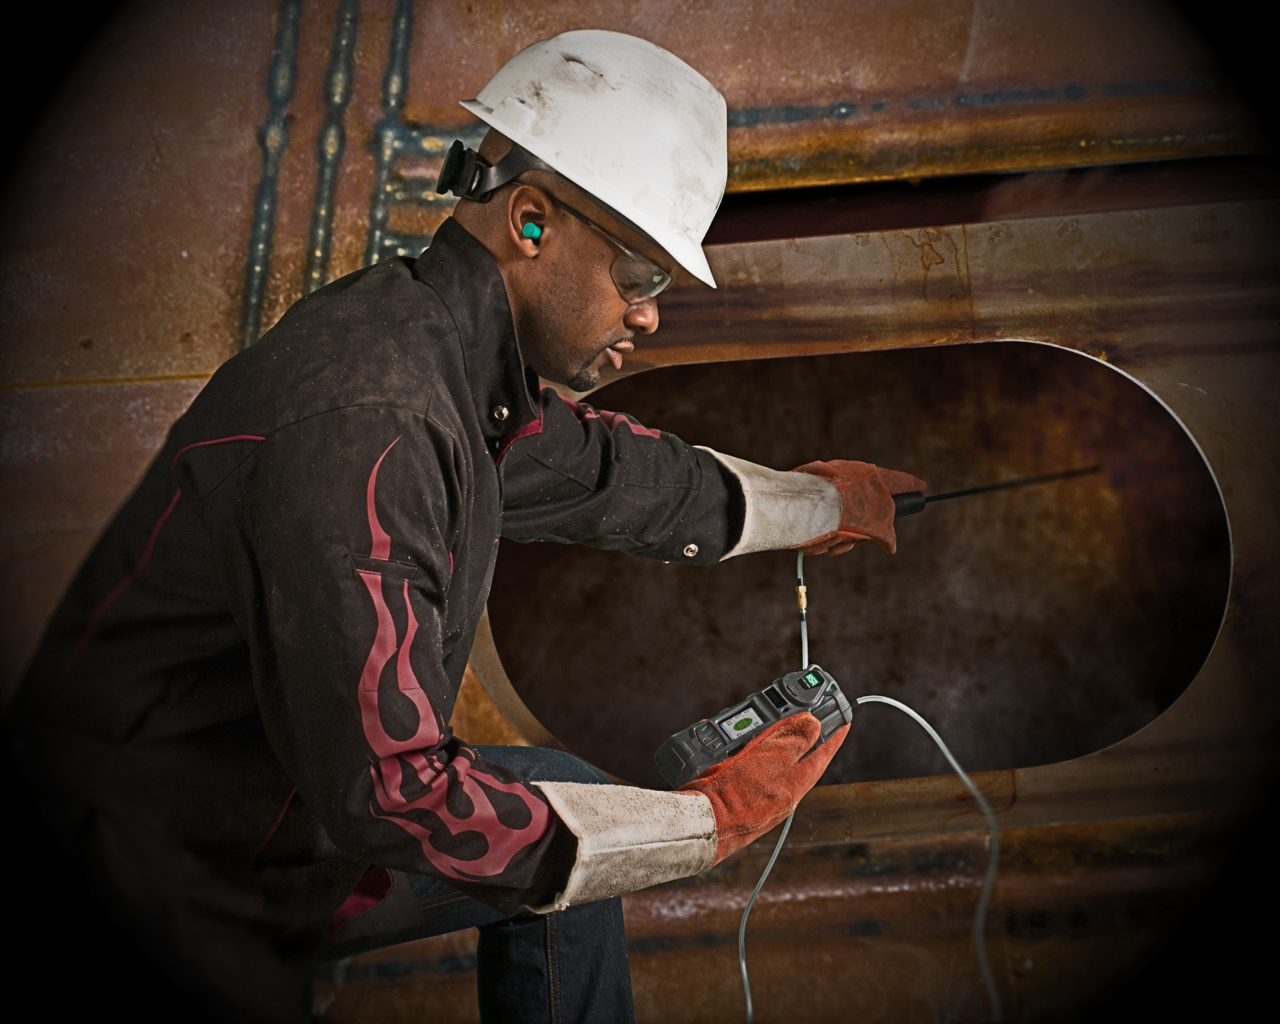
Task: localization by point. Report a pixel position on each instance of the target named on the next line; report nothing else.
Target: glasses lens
(638, 280)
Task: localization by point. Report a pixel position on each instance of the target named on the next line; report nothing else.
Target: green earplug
(531, 230)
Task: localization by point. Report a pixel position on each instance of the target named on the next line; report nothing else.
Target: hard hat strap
(468, 175)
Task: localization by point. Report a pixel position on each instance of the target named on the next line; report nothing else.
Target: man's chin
(586, 378)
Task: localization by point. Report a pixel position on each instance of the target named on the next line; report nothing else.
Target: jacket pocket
(385, 567)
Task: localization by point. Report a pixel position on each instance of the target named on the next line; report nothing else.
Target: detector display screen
(741, 723)
(693, 750)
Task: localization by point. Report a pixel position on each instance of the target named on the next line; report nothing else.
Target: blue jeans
(570, 965)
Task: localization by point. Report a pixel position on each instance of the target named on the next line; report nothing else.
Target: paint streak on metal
(332, 142)
(387, 137)
(273, 139)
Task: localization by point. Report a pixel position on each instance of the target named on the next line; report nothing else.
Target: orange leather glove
(866, 498)
(757, 787)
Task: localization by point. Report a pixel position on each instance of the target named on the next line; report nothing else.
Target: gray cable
(777, 849)
(742, 928)
(993, 860)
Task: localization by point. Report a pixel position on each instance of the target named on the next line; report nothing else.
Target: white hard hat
(625, 120)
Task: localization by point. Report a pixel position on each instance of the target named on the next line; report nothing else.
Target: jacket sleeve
(594, 477)
(355, 519)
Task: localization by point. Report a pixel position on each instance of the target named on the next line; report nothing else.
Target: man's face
(573, 321)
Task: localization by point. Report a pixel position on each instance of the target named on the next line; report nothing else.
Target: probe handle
(908, 504)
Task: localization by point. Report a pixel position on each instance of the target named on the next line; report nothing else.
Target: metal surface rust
(887, 923)
(217, 167)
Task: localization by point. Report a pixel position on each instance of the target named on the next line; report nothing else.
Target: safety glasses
(635, 277)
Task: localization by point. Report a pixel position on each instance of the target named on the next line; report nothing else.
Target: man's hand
(866, 497)
(756, 788)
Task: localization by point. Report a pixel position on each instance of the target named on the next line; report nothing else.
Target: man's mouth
(616, 351)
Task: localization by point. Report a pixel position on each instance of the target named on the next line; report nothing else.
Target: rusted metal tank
(1098, 650)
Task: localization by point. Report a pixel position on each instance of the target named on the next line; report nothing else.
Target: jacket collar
(465, 277)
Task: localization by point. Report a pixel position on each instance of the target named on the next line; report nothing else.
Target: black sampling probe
(911, 502)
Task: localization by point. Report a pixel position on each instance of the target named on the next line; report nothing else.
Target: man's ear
(528, 211)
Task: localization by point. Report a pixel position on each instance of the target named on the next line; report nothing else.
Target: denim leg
(538, 764)
(567, 966)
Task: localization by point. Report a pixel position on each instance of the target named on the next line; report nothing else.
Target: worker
(237, 720)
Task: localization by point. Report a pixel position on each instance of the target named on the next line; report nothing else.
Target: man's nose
(642, 316)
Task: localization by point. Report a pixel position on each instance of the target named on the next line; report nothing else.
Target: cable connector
(802, 601)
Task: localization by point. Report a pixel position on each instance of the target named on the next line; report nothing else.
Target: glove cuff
(782, 510)
(629, 838)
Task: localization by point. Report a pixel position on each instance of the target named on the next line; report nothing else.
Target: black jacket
(241, 703)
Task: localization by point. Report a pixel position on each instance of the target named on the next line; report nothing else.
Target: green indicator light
(744, 723)
(812, 679)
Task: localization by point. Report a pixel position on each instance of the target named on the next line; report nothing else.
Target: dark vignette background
(69, 960)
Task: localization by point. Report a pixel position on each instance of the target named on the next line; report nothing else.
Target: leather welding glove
(760, 785)
(866, 505)
(631, 838)
(818, 508)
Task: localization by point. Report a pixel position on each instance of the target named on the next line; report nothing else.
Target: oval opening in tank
(1028, 626)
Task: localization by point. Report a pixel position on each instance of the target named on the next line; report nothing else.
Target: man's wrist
(779, 510)
(629, 838)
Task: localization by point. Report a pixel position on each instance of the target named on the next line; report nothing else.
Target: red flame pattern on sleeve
(414, 763)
